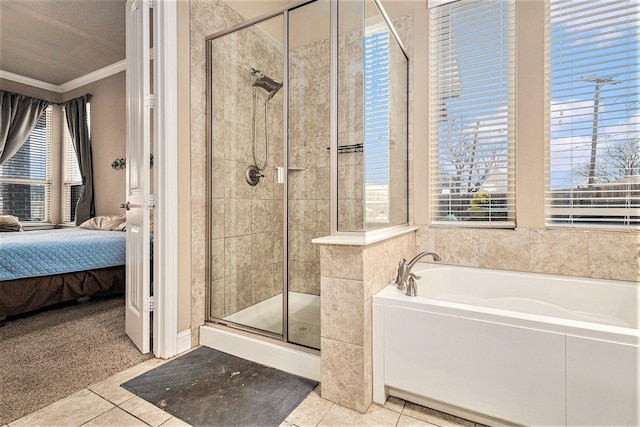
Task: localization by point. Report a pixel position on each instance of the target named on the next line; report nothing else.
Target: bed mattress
(48, 252)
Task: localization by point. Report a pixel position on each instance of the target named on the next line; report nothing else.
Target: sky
(592, 41)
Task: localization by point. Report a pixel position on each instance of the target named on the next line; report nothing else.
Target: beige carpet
(52, 354)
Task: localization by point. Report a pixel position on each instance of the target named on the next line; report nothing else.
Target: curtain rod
(88, 95)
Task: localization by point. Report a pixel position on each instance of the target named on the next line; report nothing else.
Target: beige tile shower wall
(351, 275)
(351, 127)
(594, 254)
(252, 214)
(308, 162)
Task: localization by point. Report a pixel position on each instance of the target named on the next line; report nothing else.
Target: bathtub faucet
(404, 268)
(434, 254)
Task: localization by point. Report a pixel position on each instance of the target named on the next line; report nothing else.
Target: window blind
(593, 78)
(472, 86)
(72, 178)
(25, 179)
(376, 125)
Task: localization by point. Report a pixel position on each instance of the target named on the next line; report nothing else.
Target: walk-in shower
(307, 138)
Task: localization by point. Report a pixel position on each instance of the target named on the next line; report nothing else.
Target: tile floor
(107, 404)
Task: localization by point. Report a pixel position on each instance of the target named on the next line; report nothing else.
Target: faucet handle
(402, 271)
(412, 287)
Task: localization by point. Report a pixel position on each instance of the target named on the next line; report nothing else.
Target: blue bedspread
(47, 252)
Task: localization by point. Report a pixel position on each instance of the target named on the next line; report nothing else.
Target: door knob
(125, 206)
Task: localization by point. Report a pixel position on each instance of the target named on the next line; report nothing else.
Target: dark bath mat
(206, 387)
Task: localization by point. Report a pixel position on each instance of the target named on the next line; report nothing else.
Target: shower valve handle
(253, 175)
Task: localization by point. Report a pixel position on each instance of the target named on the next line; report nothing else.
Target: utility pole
(599, 82)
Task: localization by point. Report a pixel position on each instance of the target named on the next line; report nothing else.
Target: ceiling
(56, 41)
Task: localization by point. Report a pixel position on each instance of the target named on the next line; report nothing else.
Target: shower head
(266, 83)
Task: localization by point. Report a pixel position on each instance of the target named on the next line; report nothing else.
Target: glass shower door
(246, 273)
(308, 166)
(268, 114)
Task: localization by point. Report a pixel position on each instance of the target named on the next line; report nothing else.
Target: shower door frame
(285, 225)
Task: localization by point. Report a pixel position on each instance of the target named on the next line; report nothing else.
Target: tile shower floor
(108, 404)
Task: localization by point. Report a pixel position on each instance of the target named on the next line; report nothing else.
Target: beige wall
(108, 126)
(418, 104)
(108, 139)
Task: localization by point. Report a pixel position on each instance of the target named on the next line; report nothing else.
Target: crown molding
(29, 81)
(102, 73)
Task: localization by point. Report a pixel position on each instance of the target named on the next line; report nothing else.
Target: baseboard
(279, 355)
(184, 341)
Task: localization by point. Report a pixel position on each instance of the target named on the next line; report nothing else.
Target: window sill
(37, 226)
(67, 225)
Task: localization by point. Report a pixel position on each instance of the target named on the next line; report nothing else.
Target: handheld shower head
(269, 85)
(266, 83)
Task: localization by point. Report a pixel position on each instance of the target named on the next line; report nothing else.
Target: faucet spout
(434, 254)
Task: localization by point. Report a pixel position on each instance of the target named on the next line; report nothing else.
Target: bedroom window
(593, 151)
(25, 179)
(71, 177)
(472, 85)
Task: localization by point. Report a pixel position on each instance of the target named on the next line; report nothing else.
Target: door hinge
(149, 3)
(148, 305)
(149, 100)
(149, 202)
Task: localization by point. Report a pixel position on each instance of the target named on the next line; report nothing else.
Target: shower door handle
(280, 175)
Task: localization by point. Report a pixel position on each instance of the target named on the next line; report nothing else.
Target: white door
(139, 203)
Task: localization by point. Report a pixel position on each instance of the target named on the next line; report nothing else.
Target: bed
(45, 267)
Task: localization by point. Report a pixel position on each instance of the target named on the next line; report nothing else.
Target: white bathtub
(507, 347)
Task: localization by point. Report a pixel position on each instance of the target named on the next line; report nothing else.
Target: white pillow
(10, 223)
(106, 222)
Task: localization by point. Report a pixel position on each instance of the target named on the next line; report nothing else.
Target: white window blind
(593, 78)
(376, 126)
(472, 85)
(72, 178)
(25, 179)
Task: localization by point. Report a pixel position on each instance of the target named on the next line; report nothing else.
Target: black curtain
(18, 116)
(76, 112)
